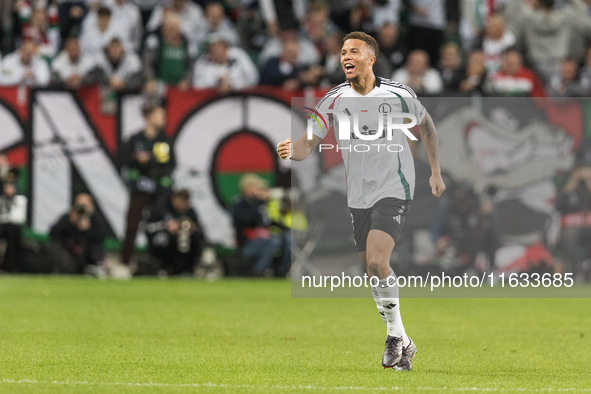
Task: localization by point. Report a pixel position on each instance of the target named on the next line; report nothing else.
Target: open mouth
(349, 66)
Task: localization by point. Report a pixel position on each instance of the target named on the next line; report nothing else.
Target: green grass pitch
(78, 335)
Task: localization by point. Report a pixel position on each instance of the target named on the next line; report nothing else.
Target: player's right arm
(298, 150)
(301, 148)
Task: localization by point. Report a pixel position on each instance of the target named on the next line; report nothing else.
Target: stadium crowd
(438, 47)
(500, 47)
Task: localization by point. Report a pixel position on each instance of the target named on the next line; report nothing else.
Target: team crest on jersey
(384, 108)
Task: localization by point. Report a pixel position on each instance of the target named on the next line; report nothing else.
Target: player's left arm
(429, 137)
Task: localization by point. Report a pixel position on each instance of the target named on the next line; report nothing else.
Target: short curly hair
(369, 40)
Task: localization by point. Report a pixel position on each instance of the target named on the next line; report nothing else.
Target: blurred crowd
(438, 47)
(176, 241)
(467, 229)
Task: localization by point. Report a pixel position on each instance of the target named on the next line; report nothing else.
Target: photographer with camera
(13, 214)
(175, 236)
(80, 234)
(464, 229)
(253, 224)
(574, 204)
(149, 161)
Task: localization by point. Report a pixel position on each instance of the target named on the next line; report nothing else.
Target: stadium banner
(14, 117)
(496, 230)
(70, 142)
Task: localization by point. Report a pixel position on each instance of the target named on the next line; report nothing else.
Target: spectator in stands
(350, 14)
(71, 13)
(418, 75)
(128, 16)
(175, 235)
(282, 15)
(473, 17)
(252, 223)
(98, 31)
(586, 71)
(495, 41)
(45, 37)
(191, 18)
(513, 79)
(574, 203)
(308, 53)
(450, 67)
(383, 66)
(80, 233)
(427, 27)
(218, 24)
(146, 7)
(317, 25)
(23, 67)
(358, 19)
(546, 31)
(13, 215)
(386, 12)
(71, 68)
(566, 82)
(119, 69)
(149, 161)
(391, 47)
(332, 71)
(167, 57)
(224, 68)
(7, 7)
(475, 75)
(283, 70)
(472, 20)
(251, 28)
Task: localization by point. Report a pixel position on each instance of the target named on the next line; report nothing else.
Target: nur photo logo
(355, 129)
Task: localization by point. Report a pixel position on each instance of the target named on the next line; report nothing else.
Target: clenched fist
(284, 149)
(437, 185)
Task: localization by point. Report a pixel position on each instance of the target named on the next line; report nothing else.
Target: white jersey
(383, 167)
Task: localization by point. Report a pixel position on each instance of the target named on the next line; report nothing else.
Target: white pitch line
(275, 387)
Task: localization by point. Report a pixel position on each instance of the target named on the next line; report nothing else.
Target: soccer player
(380, 184)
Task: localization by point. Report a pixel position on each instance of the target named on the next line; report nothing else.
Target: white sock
(376, 298)
(391, 308)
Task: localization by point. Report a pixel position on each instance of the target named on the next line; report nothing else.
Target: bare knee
(378, 266)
